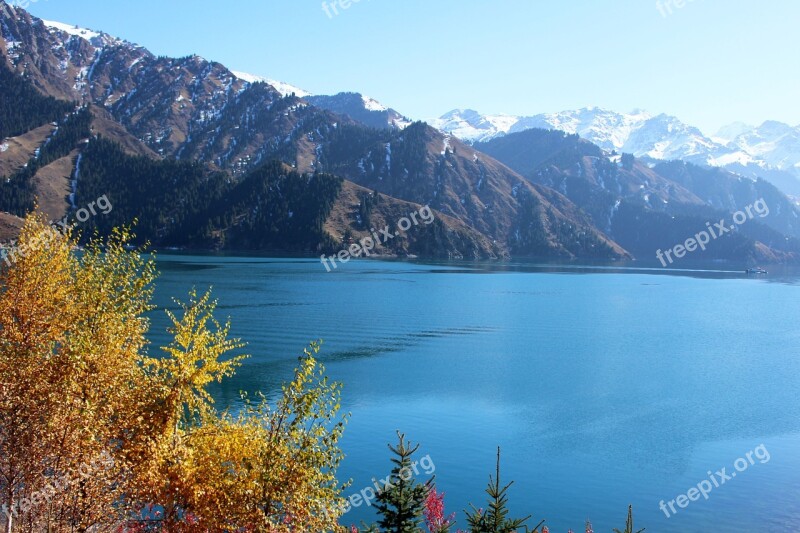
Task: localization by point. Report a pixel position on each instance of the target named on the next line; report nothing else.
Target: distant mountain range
(205, 157)
(771, 150)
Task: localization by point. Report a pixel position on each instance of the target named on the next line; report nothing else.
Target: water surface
(604, 386)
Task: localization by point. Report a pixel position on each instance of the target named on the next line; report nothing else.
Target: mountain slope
(199, 111)
(200, 153)
(771, 151)
(421, 165)
(645, 208)
(272, 208)
(361, 109)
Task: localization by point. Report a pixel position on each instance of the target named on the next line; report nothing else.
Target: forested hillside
(199, 150)
(650, 207)
(24, 108)
(18, 192)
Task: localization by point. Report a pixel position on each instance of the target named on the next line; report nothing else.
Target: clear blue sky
(710, 62)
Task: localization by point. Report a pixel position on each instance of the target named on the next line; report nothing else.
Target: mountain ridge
(234, 140)
(770, 150)
(193, 110)
(765, 150)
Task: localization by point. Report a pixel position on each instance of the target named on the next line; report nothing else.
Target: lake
(603, 386)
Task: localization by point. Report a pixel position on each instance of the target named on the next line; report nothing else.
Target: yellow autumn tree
(99, 434)
(71, 335)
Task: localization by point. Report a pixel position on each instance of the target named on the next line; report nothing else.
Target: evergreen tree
(23, 107)
(627, 161)
(495, 518)
(402, 502)
(628, 523)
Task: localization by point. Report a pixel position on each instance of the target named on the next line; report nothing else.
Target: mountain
(771, 151)
(422, 165)
(646, 207)
(361, 108)
(356, 106)
(282, 87)
(471, 126)
(202, 156)
(639, 133)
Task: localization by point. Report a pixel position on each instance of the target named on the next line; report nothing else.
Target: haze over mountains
(208, 158)
(770, 150)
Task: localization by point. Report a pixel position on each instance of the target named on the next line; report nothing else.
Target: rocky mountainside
(216, 131)
(361, 108)
(645, 207)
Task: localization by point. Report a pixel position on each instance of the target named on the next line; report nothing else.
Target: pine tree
(629, 523)
(495, 518)
(627, 161)
(402, 502)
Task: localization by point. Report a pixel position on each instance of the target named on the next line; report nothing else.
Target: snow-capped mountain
(101, 40)
(369, 109)
(770, 148)
(95, 38)
(282, 87)
(774, 143)
(361, 108)
(355, 105)
(771, 151)
(471, 126)
(728, 133)
(229, 138)
(354, 101)
(640, 133)
(228, 141)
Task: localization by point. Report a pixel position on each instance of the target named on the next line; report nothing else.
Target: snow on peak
(772, 145)
(283, 88)
(286, 89)
(371, 104)
(470, 125)
(637, 132)
(96, 38)
(249, 78)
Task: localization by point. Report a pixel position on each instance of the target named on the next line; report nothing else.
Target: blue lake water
(604, 387)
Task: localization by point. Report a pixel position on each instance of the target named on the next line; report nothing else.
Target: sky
(708, 62)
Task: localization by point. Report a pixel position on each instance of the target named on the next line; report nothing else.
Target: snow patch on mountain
(96, 38)
(773, 145)
(373, 105)
(73, 30)
(401, 123)
(283, 88)
(469, 125)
